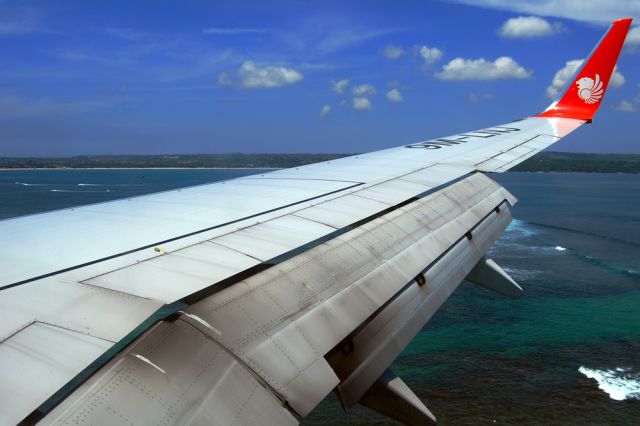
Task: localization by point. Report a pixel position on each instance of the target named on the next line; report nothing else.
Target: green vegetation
(543, 162)
(234, 160)
(573, 162)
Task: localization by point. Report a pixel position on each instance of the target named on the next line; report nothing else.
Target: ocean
(566, 353)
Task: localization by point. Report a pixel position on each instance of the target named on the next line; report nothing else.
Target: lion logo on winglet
(590, 91)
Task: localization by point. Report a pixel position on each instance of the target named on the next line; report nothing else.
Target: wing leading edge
(308, 280)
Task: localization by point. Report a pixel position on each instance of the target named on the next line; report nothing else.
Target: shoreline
(137, 168)
(548, 161)
(14, 169)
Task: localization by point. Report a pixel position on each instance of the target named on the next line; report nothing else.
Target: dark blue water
(34, 191)
(567, 352)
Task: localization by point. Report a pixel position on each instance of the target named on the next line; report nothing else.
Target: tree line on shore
(542, 162)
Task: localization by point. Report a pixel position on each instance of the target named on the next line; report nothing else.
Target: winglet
(582, 97)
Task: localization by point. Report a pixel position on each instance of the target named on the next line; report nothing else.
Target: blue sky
(133, 77)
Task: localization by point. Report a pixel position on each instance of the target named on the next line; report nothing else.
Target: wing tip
(580, 99)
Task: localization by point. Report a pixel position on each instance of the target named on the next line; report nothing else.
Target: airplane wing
(247, 301)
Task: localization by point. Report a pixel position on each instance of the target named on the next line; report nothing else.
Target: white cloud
(633, 38)
(563, 75)
(250, 76)
(480, 97)
(339, 86)
(393, 52)
(594, 11)
(617, 79)
(364, 90)
(431, 55)
(233, 31)
(362, 104)
(394, 95)
(528, 27)
(326, 109)
(625, 106)
(481, 69)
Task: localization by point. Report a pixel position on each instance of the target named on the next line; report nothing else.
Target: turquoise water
(567, 352)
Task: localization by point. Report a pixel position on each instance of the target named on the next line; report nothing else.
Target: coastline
(2, 169)
(16, 169)
(547, 161)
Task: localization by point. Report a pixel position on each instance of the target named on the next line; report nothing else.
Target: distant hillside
(573, 162)
(233, 160)
(543, 162)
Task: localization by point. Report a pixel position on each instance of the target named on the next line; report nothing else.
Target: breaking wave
(31, 184)
(602, 264)
(619, 384)
(520, 228)
(110, 184)
(576, 231)
(76, 191)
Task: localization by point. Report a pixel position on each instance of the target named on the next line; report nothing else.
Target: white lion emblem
(589, 90)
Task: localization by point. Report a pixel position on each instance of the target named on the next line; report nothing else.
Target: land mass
(542, 162)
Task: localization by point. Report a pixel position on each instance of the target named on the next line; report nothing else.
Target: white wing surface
(248, 301)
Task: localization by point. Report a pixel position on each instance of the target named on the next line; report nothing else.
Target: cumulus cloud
(431, 55)
(364, 90)
(339, 86)
(595, 11)
(481, 69)
(393, 52)
(362, 104)
(480, 97)
(563, 75)
(250, 76)
(528, 27)
(625, 106)
(326, 109)
(394, 95)
(617, 79)
(633, 38)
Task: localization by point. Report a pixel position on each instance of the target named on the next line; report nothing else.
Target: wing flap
(382, 339)
(175, 374)
(37, 361)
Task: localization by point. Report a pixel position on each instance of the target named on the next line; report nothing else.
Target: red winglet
(583, 95)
